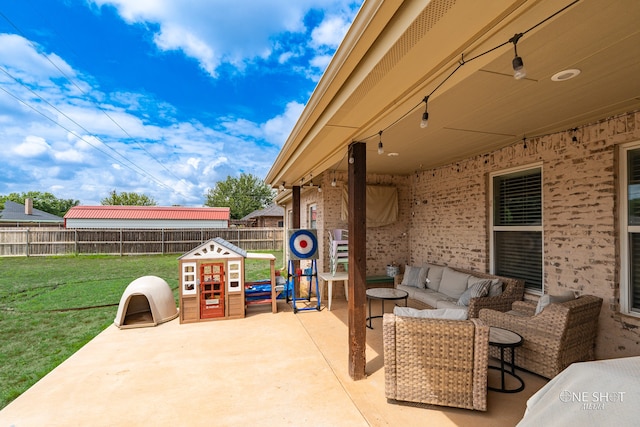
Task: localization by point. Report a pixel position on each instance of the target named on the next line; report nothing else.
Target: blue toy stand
(309, 273)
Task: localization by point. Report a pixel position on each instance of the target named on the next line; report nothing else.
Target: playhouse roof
(215, 248)
(220, 248)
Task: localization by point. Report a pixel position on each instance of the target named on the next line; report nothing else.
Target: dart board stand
(312, 275)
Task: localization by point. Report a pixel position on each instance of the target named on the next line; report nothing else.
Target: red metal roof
(147, 212)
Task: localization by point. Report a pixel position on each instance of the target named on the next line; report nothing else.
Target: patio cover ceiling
(397, 52)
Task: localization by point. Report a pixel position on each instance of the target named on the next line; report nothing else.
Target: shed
(147, 301)
(146, 217)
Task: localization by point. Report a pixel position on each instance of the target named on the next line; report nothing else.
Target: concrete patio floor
(266, 369)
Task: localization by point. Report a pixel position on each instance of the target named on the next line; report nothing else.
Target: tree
(242, 195)
(45, 202)
(128, 199)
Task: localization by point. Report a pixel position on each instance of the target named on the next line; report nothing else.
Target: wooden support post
(296, 224)
(357, 260)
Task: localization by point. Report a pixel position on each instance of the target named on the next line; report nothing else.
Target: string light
(518, 65)
(425, 116)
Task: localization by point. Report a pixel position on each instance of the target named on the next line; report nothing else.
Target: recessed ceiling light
(393, 154)
(565, 75)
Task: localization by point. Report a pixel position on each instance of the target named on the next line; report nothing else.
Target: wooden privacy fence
(43, 242)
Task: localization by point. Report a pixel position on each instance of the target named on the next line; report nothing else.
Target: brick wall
(449, 217)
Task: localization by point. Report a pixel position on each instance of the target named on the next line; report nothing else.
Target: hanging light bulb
(319, 189)
(333, 181)
(425, 116)
(518, 65)
(380, 147)
(282, 186)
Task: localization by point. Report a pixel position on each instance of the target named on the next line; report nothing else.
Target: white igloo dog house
(147, 301)
(212, 282)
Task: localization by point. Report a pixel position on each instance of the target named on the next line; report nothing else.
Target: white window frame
(312, 208)
(493, 228)
(625, 229)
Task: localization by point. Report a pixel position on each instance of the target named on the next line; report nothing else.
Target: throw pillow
(494, 290)
(547, 299)
(434, 276)
(439, 313)
(479, 289)
(411, 276)
(453, 283)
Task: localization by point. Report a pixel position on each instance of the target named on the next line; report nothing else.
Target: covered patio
(429, 97)
(265, 369)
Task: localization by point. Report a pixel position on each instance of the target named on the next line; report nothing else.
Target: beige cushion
(442, 313)
(547, 299)
(434, 276)
(429, 297)
(478, 289)
(453, 283)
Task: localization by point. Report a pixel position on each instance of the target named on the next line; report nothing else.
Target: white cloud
(222, 31)
(70, 155)
(193, 162)
(32, 146)
(321, 61)
(330, 32)
(23, 61)
(277, 129)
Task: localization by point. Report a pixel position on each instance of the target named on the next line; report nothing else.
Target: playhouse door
(212, 290)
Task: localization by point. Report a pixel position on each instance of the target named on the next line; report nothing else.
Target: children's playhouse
(212, 282)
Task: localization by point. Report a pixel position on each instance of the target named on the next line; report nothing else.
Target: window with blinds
(632, 285)
(517, 226)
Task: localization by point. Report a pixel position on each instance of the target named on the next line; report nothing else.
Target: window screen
(517, 221)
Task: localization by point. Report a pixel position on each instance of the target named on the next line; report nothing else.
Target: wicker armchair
(559, 335)
(436, 361)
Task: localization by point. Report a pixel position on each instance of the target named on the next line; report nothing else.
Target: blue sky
(161, 97)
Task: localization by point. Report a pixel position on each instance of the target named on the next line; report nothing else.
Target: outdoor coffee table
(384, 294)
(503, 338)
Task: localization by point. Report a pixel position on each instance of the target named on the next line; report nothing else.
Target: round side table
(384, 294)
(502, 339)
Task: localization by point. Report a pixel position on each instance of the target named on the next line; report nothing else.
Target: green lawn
(50, 307)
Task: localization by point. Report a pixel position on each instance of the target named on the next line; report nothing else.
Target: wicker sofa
(562, 333)
(424, 296)
(436, 361)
